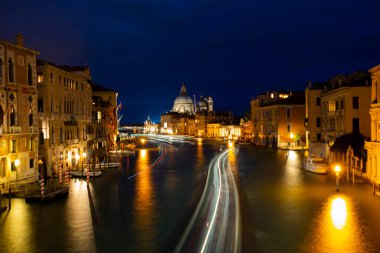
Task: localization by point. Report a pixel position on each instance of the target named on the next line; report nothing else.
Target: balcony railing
(15, 129)
(33, 130)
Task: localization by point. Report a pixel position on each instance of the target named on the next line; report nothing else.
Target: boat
(107, 165)
(316, 165)
(83, 173)
(122, 152)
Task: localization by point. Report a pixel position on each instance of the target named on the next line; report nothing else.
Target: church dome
(202, 105)
(183, 99)
(183, 103)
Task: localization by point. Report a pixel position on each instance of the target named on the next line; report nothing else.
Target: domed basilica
(183, 103)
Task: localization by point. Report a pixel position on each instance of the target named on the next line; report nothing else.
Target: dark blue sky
(230, 50)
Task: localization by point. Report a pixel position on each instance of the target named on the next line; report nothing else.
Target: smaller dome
(202, 103)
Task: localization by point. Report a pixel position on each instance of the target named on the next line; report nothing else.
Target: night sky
(230, 50)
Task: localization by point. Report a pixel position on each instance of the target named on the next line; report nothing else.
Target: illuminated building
(64, 116)
(276, 117)
(373, 146)
(246, 130)
(213, 130)
(188, 117)
(337, 107)
(150, 127)
(104, 115)
(18, 111)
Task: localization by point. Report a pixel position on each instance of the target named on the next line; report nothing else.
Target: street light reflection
(338, 228)
(144, 201)
(143, 153)
(338, 213)
(292, 155)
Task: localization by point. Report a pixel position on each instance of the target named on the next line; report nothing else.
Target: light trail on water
(163, 153)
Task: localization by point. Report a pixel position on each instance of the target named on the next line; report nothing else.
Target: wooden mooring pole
(10, 198)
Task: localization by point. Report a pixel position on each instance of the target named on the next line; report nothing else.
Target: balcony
(15, 129)
(33, 130)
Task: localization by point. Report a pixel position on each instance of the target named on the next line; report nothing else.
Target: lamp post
(291, 137)
(77, 161)
(84, 155)
(337, 170)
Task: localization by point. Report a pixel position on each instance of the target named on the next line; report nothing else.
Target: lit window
(13, 146)
(40, 78)
(31, 144)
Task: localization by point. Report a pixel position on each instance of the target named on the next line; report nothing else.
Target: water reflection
(79, 218)
(232, 161)
(293, 169)
(338, 213)
(199, 154)
(338, 228)
(144, 199)
(16, 226)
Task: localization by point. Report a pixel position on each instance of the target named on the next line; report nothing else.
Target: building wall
(64, 117)
(338, 112)
(373, 146)
(213, 130)
(18, 102)
(313, 113)
(295, 122)
(109, 115)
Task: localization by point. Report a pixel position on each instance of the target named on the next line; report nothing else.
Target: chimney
(19, 40)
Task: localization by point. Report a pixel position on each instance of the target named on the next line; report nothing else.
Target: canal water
(288, 210)
(137, 208)
(144, 208)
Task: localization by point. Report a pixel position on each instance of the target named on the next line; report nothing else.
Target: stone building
(64, 116)
(18, 111)
(336, 108)
(188, 116)
(373, 146)
(278, 119)
(105, 111)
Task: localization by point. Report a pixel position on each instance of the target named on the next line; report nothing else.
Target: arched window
(12, 117)
(30, 75)
(1, 68)
(42, 138)
(1, 116)
(11, 76)
(30, 116)
(52, 135)
(60, 135)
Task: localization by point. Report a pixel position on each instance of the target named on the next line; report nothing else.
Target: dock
(50, 194)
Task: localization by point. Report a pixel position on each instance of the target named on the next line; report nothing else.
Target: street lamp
(77, 159)
(291, 137)
(337, 170)
(84, 155)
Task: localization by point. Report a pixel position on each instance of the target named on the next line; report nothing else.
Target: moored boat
(107, 165)
(316, 165)
(83, 173)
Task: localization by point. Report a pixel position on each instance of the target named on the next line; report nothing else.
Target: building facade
(64, 116)
(373, 146)
(18, 111)
(105, 101)
(278, 119)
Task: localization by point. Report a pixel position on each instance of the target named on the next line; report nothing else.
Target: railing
(15, 129)
(33, 130)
